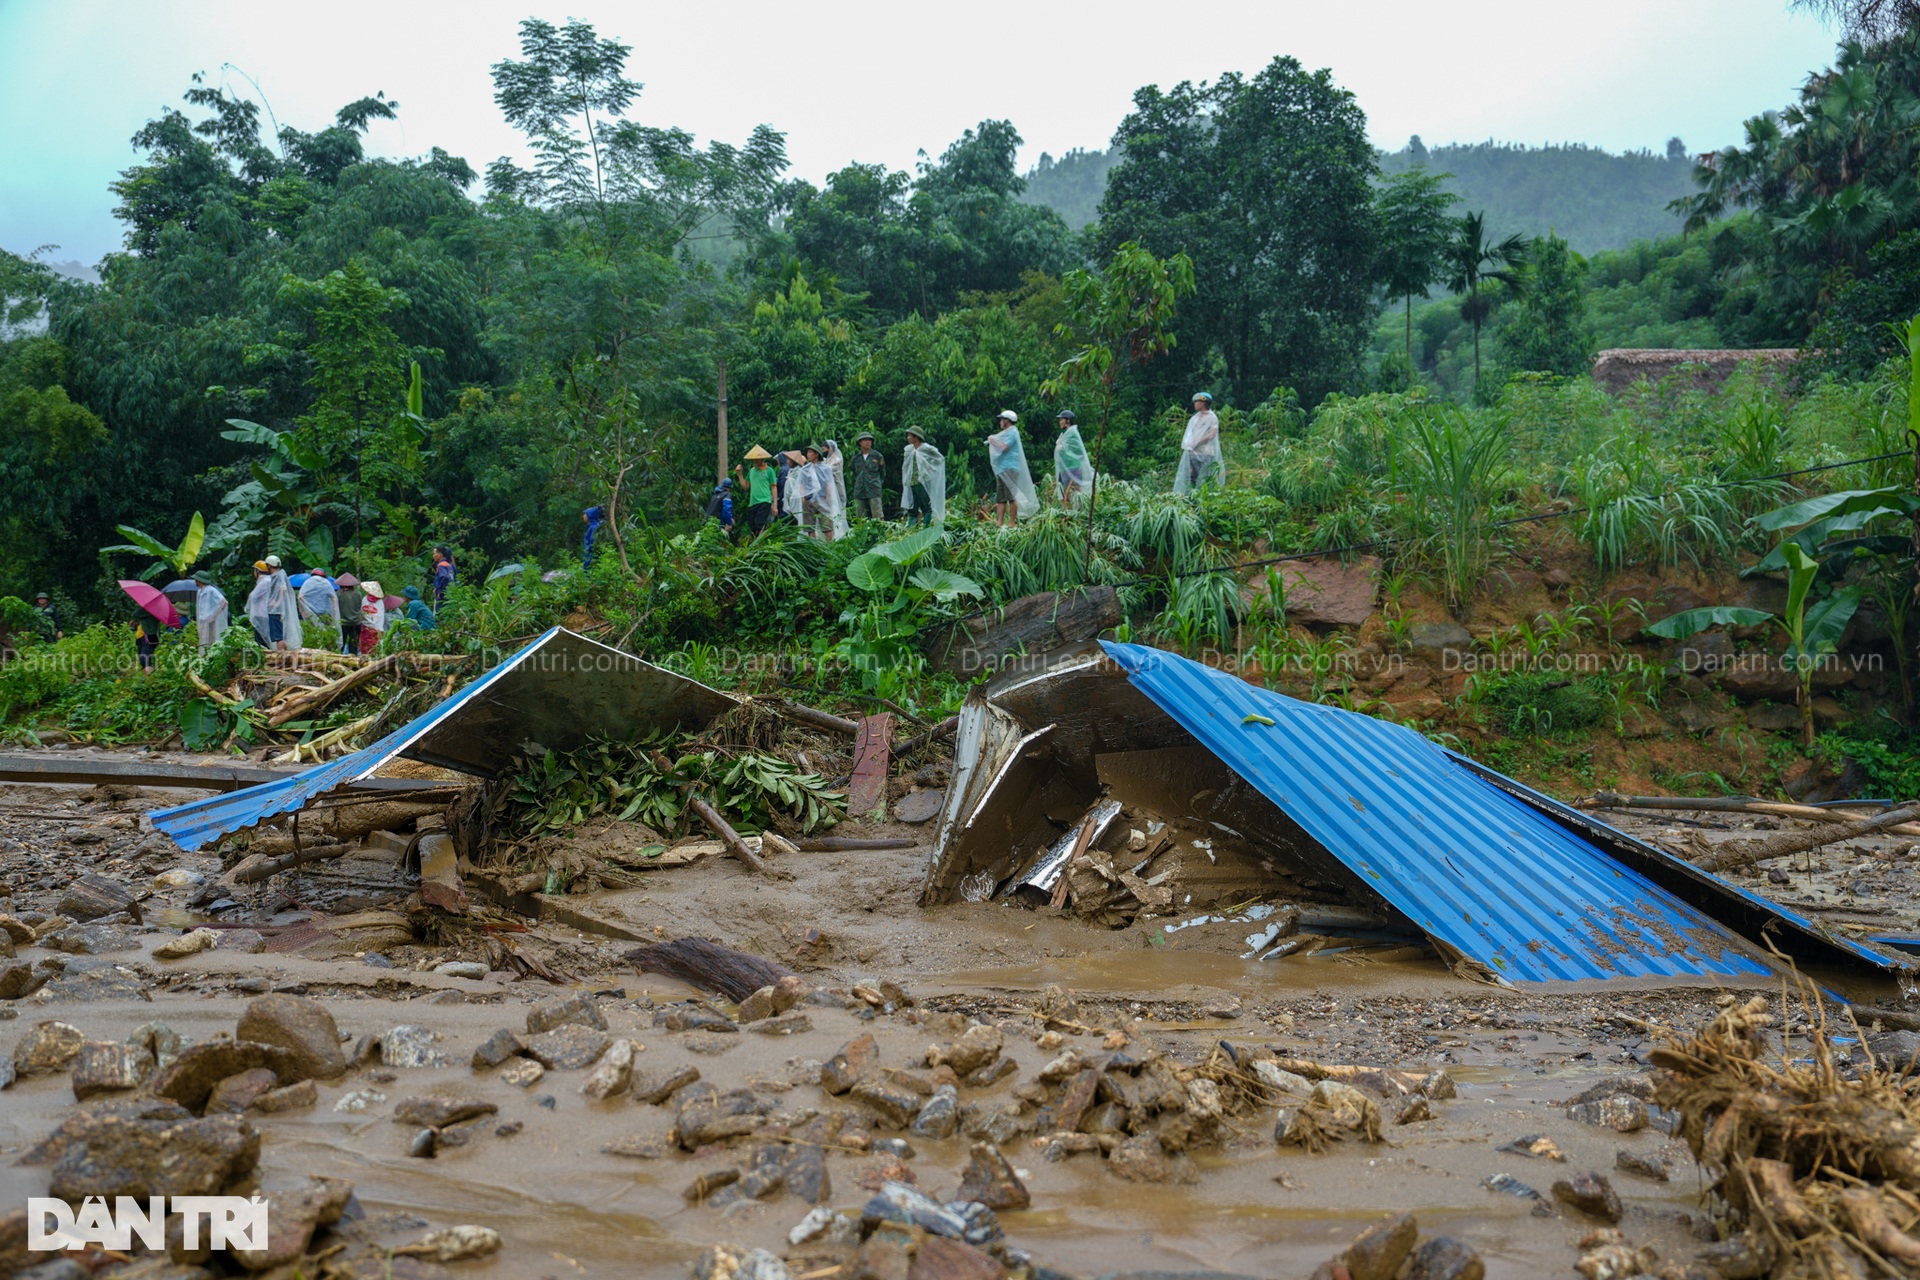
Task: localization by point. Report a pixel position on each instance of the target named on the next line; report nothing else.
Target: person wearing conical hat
(373, 616)
(763, 492)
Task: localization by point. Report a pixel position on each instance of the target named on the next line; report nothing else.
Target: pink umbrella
(152, 600)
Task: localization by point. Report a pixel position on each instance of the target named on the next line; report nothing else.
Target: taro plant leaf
(1692, 622)
(871, 572)
(904, 551)
(944, 584)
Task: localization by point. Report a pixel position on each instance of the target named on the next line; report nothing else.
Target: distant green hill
(1594, 199)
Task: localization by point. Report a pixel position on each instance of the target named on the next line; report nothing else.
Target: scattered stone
(898, 1148)
(17, 981)
(411, 1046)
(7, 1073)
(425, 1145)
(438, 1113)
(293, 1097)
(359, 1100)
(1378, 1252)
(1437, 1085)
(572, 1046)
(881, 1258)
(192, 942)
(472, 969)
(656, 1087)
(893, 1104)
(693, 1017)
(1653, 1167)
(17, 931)
(991, 1075)
(850, 1065)
(730, 1262)
(190, 1078)
(454, 1244)
(103, 1066)
(1274, 1076)
(939, 1116)
(707, 1116)
(1507, 1185)
(703, 1187)
(292, 1219)
(785, 1024)
(122, 1156)
(990, 1179)
(239, 1091)
(941, 1259)
(304, 1028)
(580, 1008)
(1416, 1111)
(522, 1073)
(1535, 1146)
(159, 1039)
(1622, 1112)
(910, 1206)
(613, 1073)
(1077, 1097)
(1140, 1159)
(93, 896)
(512, 1127)
(1445, 1258)
(979, 1047)
(375, 960)
(803, 1168)
(826, 1226)
(770, 1001)
(497, 1048)
(639, 1147)
(709, 1044)
(1591, 1194)
(49, 1047)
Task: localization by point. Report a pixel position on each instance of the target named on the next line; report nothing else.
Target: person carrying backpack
(720, 505)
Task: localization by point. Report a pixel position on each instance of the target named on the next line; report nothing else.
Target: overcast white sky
(874, 82)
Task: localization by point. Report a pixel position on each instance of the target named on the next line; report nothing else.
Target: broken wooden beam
(731, 838)
(942, 730)
(1738, 804)
(814, 717)
(842, 844)
(252, 872)
(1749, 852)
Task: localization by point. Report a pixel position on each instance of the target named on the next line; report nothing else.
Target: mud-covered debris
(708, 966)
(409, 1046)
(990, 1179)
(824, 1225)
(238, 1092)
(1591, 1194)
(1535, 1146)
(1445, 1258)
(706, 1115)
(1437, 1085)
(1140, 1159)
(693, 1017)
(1622, 1113)
(614, 1072)
(1506, 1184)
(453, 1244)
(358, 1100)
(522, 1073)
(782, 1024)
(49, 1046)
(1278, 1078)
(702, 1188)
(103, 1066)
(303, 1027)
(655, 1087)
(435, 1112)
(1606, 1254)
(580, 1008)
(569, 1047)
(293, 1097)
(472, 970)
(1417, 1110)
(497, 1048)
(1653, 1167)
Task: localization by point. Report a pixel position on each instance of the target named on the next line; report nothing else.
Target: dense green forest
(340, 358)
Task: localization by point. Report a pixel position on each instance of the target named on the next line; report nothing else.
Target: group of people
(816, 487)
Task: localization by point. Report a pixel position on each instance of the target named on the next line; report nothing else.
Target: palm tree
(1471, 262)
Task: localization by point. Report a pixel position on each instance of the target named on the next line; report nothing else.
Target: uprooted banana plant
(551, 792)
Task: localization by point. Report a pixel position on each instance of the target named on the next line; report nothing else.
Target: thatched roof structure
(1619, 368)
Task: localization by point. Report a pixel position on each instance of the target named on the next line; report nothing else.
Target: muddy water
(567, 1209)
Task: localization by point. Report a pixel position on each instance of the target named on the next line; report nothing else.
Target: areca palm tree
(1471, 262)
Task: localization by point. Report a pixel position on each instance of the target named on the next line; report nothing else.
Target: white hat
(1009, 415)
(273, 562)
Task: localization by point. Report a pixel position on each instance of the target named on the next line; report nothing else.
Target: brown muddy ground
(567, 1208)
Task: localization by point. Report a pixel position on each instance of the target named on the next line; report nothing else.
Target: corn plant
(1452, 467)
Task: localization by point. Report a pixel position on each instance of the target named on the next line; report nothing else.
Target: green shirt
(760, 485)
(869, 472)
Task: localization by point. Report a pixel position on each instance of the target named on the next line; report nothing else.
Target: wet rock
(1416, 1111)
(702, 1188)
(1752, 1253)
(424, 1145)
(656, 1087)
(87, 979)
(469, 969)
(714, 1117)
(1653, 1167)
(826, 1226)
(304, 1028)
(1441, 637)
(850, 1065)
(411, 1046)
(979, 1047)
(1274, 1076)
(1436, 1085)
(239, 1091)
(103, 1066)
(93, 896)
(293, 1097)
(1897, 1051)
(771, 1001)
(898, 1148)
(1377, 1252)
(159, 1039)
(192, 942)
(1507, 1185)
(693, 1017)
(992, 1074)
(77, 1126)
(1591, 1194)
(437, 1113)
(454, 1244)
(1140, 1159)
(806, 1173)
(1061, 1068)
(522, 1073)
(464, 1132)
(924, 1085)
(939, 1116)
(580, 1008)
(941, 1259)
(359, 1100)
(572, 1046)
(497, 1048)
(1076, 1098)
(1535, 1146)
(1445, 1258)
(893, 1104)
(909, 1206)
(292, 1219)
(7, 1073)
(118, 1156)
(730, 1262)
(639, 1147)
(48, 1047)
(190, 1078)
(18, 931)
(1605, 1254)
(614, 1072)
(710, 1044)
(1622, 1113)
(784, 1024)
(880, 1258)
(1107, 1118)
(17, 981)
(374, 960)
(990, 1179)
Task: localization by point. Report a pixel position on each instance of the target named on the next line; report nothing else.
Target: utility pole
(723, 419)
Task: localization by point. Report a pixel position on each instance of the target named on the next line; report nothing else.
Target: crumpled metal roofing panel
(558, 690)
(1477, 869)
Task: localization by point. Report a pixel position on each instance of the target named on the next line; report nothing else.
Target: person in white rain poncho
(793, 488)
(210, 611)
(1072, 468)
(318, 599)
(1201, 462)
(272, 608)
(1014, 498)
(833, 496)
(923, 480)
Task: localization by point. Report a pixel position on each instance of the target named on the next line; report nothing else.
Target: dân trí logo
(232, 1222)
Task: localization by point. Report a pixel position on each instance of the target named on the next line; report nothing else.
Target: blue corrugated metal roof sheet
(1478, 869)
(557, 690)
